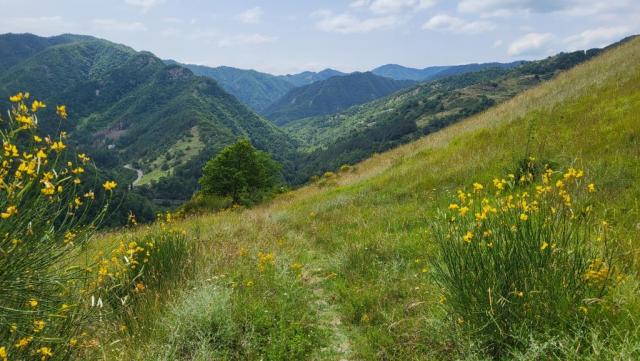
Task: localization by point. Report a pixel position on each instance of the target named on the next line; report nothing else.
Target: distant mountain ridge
(399, 72)
(332, 95)
(309, 77)
(256, 89)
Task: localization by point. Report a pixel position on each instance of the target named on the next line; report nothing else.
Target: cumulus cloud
(392, 6)
(41, 25)
(532, 43)
(117, 25)
(349, 24)
(250, 16)
(568, 7)
(249, 39)
(597, 37)
(452, 24)
(144, 4)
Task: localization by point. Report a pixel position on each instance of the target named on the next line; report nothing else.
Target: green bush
(240, 172)
(522, 262)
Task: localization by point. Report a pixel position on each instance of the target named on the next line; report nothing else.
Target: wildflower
(23, 342)
(16, 98)
(544, 245)
(524, 217)
(559, 184)
(468, 237)
(33, 303)
(249, 283)
(90, 195)
(83, 157)
(37, 139)
(477, 187)
(109, 185)
(3, 353)
(591, 188)
(11, 210)
(61, 110)
(58, 146)
(519, 294)
(583, 309)
(36, 105)
(463, 211)
(140, 287)
(38, 326)
(73, 342)
(45, 352)
(41, 154)
(453, 206)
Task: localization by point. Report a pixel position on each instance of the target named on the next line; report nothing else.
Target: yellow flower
(519, 294)
(37, 139)
(560, 184)
(17, 98)
(83, 157)
(477, 187)
(453, 206)
(23, 342)
(38, 326)
(468, 237)
(61, 110)
(463, 211)
(45, 352)
(41, 154)
(11, 210)
(544, 245)
(33, 303)
(524, 217)
(583, 309)
(3, 353)
(36, 105)
(110, 185)
(591, 188)
(58, 146)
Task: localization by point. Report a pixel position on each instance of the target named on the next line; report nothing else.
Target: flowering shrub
(522, 256)
(43, 220)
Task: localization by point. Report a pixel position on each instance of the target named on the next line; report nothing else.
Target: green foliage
(399, 72)
(332, 95)
(240, 172)
(524, 263)
(255, 89)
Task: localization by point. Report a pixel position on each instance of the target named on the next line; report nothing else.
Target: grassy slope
(363, 241)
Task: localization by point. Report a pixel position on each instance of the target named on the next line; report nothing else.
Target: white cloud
(531, 43)
(349, 24)
(41, 25)
(250, 16)
(144, 4)
(568, 7)
(598, 37)
(392, 6)
(447, 23)
(117, 25)
(250, 39)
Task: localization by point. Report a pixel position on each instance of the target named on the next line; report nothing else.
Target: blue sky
(285, 36)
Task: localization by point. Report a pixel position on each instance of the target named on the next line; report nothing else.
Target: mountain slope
(332, 95)
(127, 106)
(400, 72)
(255, 89)
(363, 243)
(356, 133)
(308, 77)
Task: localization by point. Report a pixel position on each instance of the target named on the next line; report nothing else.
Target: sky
(289, 36)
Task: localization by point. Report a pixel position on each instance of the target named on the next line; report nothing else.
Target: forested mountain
(129, 107)
(354, 134)
(308, 77)
(400, 72)
(255, 89)
(332, 95)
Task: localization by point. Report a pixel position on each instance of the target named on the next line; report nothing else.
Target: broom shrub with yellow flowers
(524, 256)
(44, 219)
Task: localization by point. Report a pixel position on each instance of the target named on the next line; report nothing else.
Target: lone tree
(241, 172)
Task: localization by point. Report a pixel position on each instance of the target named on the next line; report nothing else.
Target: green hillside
(399, 72)
(308, 77)
(332, 95)
(129, 107)
(342, 270)
(356, 133)
(255, 89)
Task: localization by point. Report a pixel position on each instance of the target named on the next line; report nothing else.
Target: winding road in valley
(139, 172)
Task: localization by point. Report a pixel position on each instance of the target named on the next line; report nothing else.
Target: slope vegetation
(399, 72)
(332, 95)
(339, 271)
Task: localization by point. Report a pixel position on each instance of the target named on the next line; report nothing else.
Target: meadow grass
(351, 271)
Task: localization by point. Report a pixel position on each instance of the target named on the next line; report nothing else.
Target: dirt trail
(139, 172)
